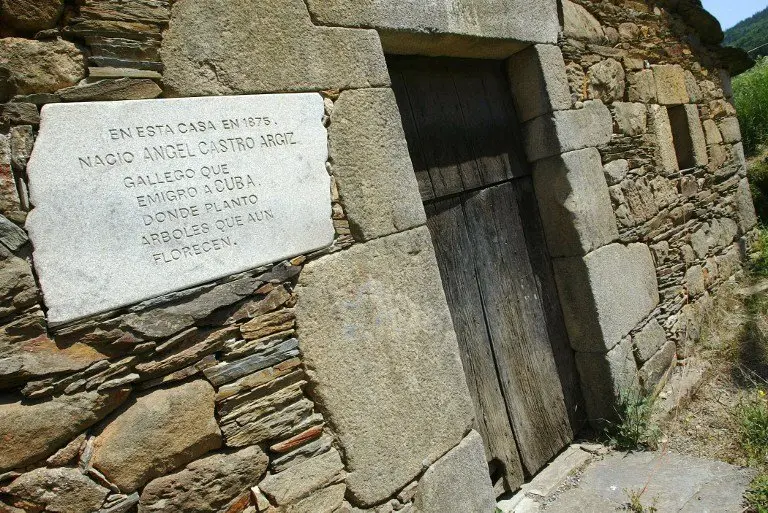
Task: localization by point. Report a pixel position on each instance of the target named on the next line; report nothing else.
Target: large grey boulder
(458, 481)
(41, 66)
(207, 485)
(215, 47)
(605, 294)
(158, 433)
(372, 166)
(378, 339)
(33, 432)
(60, 490)
(574, 203)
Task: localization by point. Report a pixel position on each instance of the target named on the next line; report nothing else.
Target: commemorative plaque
(135, 199)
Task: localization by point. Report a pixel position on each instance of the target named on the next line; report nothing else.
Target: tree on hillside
(750, 34)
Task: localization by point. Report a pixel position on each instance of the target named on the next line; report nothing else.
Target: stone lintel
(525, 21)
(670, 84)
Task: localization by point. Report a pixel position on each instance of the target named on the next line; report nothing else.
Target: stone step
(545, 483)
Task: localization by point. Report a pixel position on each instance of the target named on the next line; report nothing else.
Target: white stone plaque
(134, 199)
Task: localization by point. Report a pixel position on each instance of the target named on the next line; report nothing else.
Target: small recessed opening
(681, 135)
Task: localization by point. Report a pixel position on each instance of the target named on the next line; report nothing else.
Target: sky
(730, 12)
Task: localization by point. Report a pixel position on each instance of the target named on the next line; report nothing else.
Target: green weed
(758, 264)
(758, 184)
(635, 504)
(757, 495)
(634, 429)
(753, 428)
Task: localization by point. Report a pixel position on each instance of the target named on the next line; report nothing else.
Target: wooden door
(464, 142)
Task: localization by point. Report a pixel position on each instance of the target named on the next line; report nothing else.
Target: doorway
(465, 145)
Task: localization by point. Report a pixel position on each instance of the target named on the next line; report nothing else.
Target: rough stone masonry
(331, 382)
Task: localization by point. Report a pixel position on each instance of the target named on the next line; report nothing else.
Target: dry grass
(708, 425)
(735, 343)
(727, 417)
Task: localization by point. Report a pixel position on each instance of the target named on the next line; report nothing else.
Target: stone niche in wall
(132, 200)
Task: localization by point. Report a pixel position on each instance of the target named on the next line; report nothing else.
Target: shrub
(757, 495)
(758, 182)
(634, 429)
(753, 429)
(758, 264)
(750, 94)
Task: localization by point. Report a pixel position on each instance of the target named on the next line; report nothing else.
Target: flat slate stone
(226, 372)
(135, 199)
(671, 482)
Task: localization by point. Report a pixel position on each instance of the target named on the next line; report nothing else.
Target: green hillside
(750, 34)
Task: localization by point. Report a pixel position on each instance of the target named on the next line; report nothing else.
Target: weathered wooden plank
(517, 325)
(450, 125)
(412, 135)
(545, 280)
(505, 122)
(489, 144)
(455, 259)
(440, 158)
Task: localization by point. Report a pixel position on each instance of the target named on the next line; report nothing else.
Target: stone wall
(667, 142)
(327, 383)
(332, 382)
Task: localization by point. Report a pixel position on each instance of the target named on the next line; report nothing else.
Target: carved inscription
(172, 193)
